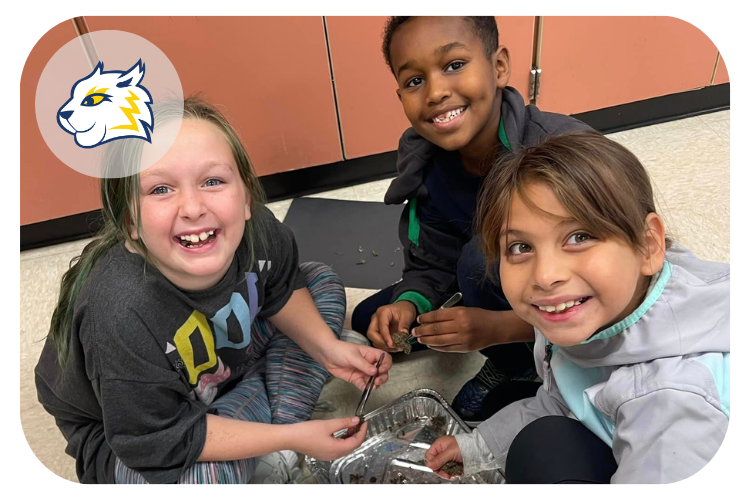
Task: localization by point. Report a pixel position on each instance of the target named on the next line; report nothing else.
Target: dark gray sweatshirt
(147, 358)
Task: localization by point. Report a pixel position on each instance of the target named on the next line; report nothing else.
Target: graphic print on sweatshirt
(195, 343)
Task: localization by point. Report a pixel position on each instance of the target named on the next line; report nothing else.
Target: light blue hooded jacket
(654, 387)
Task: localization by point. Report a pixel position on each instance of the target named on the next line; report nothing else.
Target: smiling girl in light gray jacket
(632, 330)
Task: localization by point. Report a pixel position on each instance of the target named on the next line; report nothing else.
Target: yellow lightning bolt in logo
(129, 112)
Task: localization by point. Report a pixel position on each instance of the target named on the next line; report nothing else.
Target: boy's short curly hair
(485, 27)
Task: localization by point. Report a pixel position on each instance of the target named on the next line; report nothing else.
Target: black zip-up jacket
(431, 234)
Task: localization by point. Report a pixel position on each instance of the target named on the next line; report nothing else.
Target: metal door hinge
(535, 82)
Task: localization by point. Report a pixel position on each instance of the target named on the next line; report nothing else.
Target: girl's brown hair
(599, 182)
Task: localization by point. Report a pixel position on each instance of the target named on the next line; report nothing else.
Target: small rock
(374, 253)
(360, 249)
(453, 469)
(361, 261)
(401, 341)
(392, 264)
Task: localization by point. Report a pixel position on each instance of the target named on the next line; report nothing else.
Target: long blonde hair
(121, 207)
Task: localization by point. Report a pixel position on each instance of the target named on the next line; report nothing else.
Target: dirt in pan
(438, 424)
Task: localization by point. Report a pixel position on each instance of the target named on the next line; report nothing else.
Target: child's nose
(192, 206)
(437, 90)
(548, 273)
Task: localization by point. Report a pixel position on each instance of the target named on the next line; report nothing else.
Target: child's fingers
(359, 362)
(387, 363)
(436, 329)
(441, 459)
(437, 447)
(375, 338)
(381, 380)
(336, 424)
(384, 328)
(436, 316)
(441, 340)
(351, 443)
(359, 383)
(450, 348)
(444, 475)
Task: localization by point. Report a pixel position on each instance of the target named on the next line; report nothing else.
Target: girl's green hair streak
(121, 207)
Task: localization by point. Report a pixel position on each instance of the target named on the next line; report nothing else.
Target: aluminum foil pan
(398, 435)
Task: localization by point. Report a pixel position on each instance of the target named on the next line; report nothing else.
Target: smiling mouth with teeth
(450, 115)
(564, 306)
(197, 240)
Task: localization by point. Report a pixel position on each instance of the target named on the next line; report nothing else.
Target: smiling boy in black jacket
(452, 80)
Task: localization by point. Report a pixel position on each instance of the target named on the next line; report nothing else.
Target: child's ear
(132, 229)
(248, 214)
(655, 245)
(502, 66)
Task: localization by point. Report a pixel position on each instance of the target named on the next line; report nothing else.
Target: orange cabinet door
(269, 74)
(49, 188)
(590, 63)
(370, 114)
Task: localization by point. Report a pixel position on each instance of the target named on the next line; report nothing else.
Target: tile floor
(687, 159)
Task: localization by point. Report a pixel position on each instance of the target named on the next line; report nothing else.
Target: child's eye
(578, 238)
(214, 182)
(518, 249)
(455, 65)
(414, 82)
(160, 190)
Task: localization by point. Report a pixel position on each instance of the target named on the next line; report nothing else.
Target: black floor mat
(333, 231)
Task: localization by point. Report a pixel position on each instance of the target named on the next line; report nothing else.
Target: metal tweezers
(455, 299)
(365, 396)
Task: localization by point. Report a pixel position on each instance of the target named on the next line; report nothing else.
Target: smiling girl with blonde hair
(187, 332)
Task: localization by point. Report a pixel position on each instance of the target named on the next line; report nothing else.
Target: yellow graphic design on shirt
(185, 347)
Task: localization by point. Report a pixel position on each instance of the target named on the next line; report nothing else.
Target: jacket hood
(686, 311)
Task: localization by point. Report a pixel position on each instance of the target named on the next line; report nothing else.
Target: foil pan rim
(321, 469)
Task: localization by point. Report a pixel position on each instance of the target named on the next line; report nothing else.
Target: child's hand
(356, 363)
(459, 329)
(390, 319)
(443, 450)
(315, 438)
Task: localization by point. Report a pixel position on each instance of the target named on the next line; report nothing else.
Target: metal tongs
(365, 396)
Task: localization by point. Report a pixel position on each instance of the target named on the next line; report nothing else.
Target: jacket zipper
(547, 367)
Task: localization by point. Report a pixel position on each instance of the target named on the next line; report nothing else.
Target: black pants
(558, 449)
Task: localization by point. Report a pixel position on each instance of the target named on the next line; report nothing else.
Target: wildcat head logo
(108, 105)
